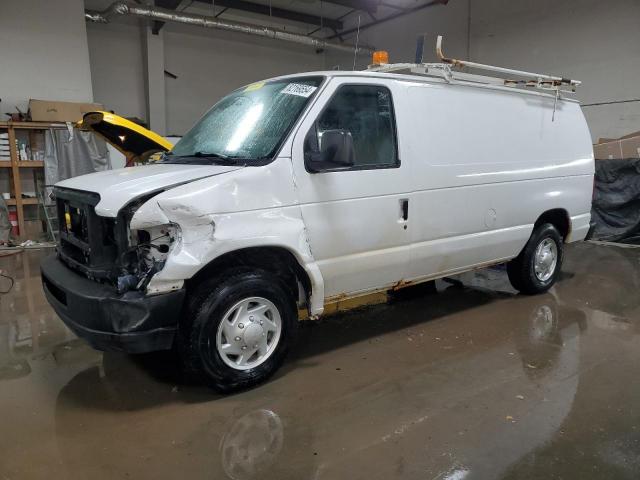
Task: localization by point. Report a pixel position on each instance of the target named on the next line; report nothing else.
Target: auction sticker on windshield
(299, 89)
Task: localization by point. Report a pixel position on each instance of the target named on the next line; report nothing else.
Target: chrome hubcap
(249, 333)
(546, 259)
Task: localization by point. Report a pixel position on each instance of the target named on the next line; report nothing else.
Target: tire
(522, 270)
(202, 335)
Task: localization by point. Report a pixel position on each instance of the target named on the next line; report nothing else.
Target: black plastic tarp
(616, 201)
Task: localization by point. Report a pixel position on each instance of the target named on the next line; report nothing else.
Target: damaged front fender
(248, 208)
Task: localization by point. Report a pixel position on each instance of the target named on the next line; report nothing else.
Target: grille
(88, 243)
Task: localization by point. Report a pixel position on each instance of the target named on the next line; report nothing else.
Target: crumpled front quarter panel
(250, 207)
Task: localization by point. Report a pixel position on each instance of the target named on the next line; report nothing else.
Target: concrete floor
(473, 382)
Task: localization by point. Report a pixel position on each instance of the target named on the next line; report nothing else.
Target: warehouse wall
(117, 67)
(43, 52)
(399, 36)
(211, 63)
(208, 65)
(596, 42)
(590, 40)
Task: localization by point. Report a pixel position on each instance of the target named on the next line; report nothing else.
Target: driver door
(356, 215)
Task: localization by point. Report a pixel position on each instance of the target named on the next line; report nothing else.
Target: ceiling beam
(389, 17)
(369, 6)
(285, 14)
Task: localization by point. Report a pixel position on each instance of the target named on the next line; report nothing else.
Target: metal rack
(18, 168)
(446, 70)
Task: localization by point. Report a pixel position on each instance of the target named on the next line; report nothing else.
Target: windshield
(248, 125)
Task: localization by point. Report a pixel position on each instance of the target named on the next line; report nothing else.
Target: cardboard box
(630, 135)
(624, 147)
(630, 147)
(51, 111)
(607, 150)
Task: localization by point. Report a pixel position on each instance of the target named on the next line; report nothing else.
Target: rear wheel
(537, 267)
(236, 331)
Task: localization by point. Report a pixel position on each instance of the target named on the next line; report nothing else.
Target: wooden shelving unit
(18, 168)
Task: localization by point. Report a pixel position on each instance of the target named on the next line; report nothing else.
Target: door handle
(404, 208)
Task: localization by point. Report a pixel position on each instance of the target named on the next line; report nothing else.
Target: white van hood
(118, 187)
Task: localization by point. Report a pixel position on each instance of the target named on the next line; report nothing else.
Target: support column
(155, 86)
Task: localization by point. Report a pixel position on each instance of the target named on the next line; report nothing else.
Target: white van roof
(449, 72)
(431, 76)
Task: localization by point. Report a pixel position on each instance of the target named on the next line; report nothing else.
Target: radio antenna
(355, 51)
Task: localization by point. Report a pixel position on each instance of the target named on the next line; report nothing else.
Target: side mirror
(335, 150)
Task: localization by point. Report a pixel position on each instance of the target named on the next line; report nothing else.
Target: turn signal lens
(380, 57)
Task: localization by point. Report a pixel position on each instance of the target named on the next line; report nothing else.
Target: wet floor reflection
(470, 382)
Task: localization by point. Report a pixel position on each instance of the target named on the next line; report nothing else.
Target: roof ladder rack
(445, 70)
(538, 80)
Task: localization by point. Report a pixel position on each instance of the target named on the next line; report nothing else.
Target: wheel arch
(559, 218)
(275, 259)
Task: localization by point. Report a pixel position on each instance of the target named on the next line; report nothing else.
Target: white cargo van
(303, 189)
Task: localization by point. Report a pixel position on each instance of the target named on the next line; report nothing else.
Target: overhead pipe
(164, 15)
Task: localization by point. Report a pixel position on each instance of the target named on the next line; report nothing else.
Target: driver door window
(366, 112)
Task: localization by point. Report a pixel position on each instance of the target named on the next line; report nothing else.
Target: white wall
(208, 64)
(117, 67)
(594, 41)
(211, 63)
(590, 40)
(43, 52)
(399, 36)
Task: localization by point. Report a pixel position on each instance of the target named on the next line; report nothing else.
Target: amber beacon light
(380, 57)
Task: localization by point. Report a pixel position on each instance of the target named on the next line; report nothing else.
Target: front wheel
(537, 267)
(236, 332)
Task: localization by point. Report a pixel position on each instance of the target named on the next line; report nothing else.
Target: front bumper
(131, 322)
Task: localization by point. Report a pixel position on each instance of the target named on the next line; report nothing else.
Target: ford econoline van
(299, 190)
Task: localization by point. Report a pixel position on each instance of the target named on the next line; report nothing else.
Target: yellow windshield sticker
(254, 86)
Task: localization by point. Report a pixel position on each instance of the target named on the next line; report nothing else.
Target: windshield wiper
(203, 157)
(209, 155)
(214, 158)
(217, 158)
